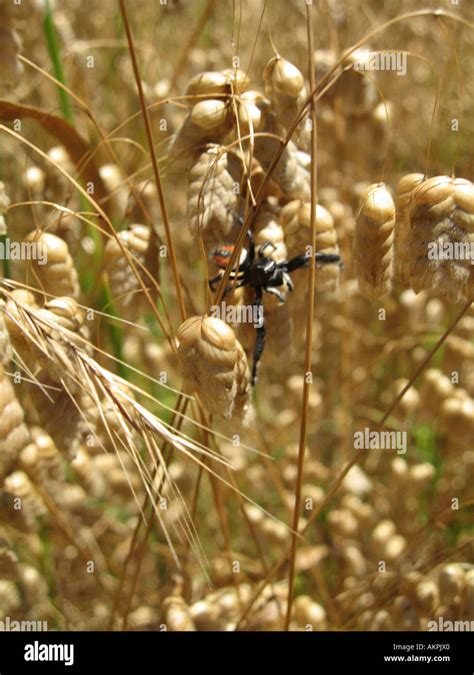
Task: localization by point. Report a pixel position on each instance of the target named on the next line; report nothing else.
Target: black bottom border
(152, 652)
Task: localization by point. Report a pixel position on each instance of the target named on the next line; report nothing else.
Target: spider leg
(295, 263)
(251, 255)
(233, 276)
(212, 282)
(321, 259)
(260, 339)
(329, 259)
(289, 281)
(275, 291)
(240, 284)
(264, 246)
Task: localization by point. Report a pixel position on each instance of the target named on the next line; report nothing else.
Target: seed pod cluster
(52, 270)
(22, 504)
(296, 222)
(213, 364)
(41, 458)
(63, 321)
(53, 408)
(126, 291)
(285, 87)
(373, 242)
(88, 474)
(403, 198)
(14, 435)
(211, 116)
(291, 173)
(212, 197)
(442, 237)
(210, 84)
(249, 114)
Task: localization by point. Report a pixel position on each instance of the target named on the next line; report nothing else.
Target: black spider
(263, 273)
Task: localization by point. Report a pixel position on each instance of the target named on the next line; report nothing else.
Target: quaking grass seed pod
(206, 84)
(209, 114)
(14, 435)
(216, 84)
(212, 197)
(209, 121)
(403, 198)
(250, 115)
(50, 463)
(89, 474)
(237, 80)
(65, 419)
(290, 174)
(296, 222)
(18, 486)
(60, 315)
(442, 237)
(52, 270)
(285, 87)
(210, 358)
(373, 242)
(242, 409)
(125, 288)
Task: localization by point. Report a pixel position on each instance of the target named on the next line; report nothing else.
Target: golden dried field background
(145, 483)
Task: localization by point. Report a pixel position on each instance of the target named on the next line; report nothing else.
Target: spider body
(263, 274)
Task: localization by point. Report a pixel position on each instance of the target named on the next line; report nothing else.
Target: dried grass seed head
(403, 198)
(53, 271)
(442, 237)
(296, 221)
(212, 197)
(373, 242)
(125, 288)
(210, 362)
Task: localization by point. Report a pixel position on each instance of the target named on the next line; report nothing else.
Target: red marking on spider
(222, 255)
